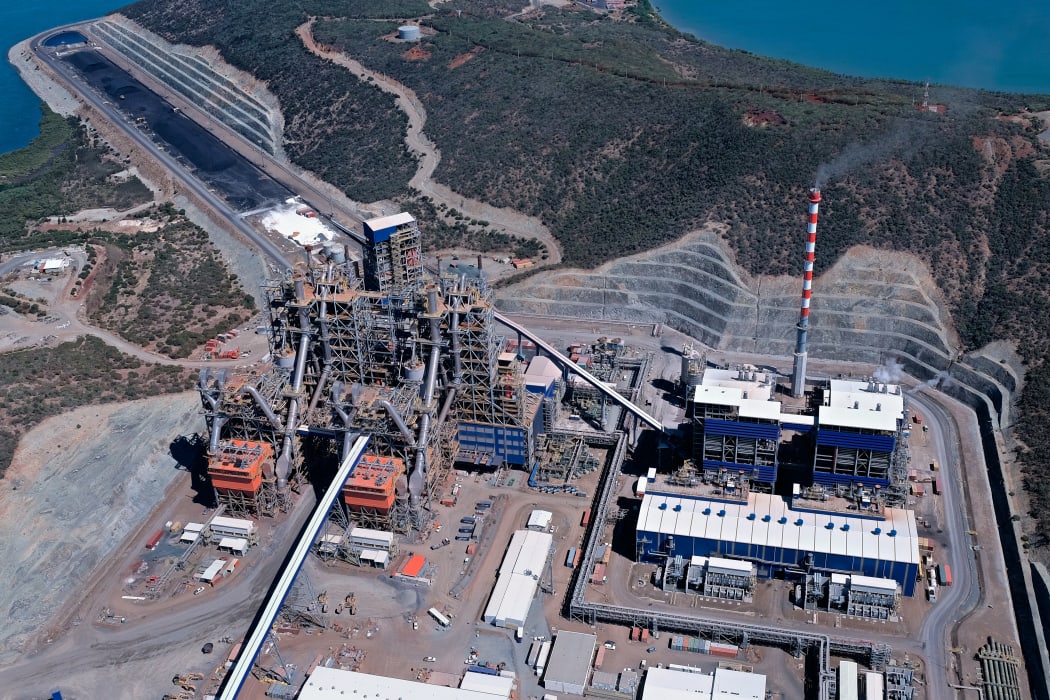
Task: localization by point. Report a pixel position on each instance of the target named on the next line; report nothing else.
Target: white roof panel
(882, 585)
(730, 565)
(334, 684)
(496, 686)
(738, 685)
(858, 541)
(382, 222)
(857, 418)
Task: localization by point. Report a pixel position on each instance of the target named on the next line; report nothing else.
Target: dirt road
(509, 220)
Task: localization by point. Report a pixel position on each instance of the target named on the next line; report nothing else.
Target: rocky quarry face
(871, 307)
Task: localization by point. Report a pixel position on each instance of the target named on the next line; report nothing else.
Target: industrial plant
(804, 480)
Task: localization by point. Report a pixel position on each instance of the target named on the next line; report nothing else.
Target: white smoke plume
(860, 155)
(942, 380)
(890, 372)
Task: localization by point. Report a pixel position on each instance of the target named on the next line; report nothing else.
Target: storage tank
(692, 368)
(409, 32)
(335, 252)
(414, 371)
(285, 360)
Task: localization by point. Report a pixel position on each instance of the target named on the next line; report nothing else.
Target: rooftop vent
(721, 513)
(677, 508)
(707, 511)
(829, 526)
(750, 516)
(892, 533)
(782, 520)
(877, 531)
(845, 527)
(766, 518)
(799, 522)
(663, 506)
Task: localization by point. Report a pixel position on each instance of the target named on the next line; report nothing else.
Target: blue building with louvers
(778, 539)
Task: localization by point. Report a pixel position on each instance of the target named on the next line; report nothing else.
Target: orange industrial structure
(413, 566)
(239, 467)
(371, 486)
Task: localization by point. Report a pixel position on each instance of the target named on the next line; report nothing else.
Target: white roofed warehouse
(570, 662)
(766, 531)
(518, 578)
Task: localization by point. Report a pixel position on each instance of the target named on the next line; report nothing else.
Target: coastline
(60, 100)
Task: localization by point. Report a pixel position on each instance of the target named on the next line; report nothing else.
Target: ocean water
(973, 43)
(20, 108)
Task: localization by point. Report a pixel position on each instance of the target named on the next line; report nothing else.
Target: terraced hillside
(870, 306)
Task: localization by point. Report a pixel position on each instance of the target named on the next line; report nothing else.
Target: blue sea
(20, 108)
(974, 43)
(959, 42)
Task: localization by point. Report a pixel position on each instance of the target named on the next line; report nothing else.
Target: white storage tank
(409, 32)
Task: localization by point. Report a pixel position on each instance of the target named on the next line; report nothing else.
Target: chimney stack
(798, 374)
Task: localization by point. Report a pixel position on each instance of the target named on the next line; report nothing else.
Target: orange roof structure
(372, 483)
(414, 566)
(239, 465)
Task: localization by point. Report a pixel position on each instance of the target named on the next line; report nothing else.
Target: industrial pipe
(319, 388)
(457, 361)
(398, 421)
(263, 406)
(284, 462)
(217, 421)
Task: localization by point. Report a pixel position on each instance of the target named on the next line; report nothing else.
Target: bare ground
(79, 484)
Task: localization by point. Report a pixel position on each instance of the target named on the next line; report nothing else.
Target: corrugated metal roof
(382, 222)
(894, 539)
(496, 686)
(334, 684)
(570, 659)
(881, 585)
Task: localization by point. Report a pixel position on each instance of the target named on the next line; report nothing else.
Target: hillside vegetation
(622, 135)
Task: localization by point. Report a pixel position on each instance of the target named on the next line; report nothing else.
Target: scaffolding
(394, 260)
(565, 456)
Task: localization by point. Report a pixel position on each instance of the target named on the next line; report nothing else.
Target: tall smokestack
(798, 374)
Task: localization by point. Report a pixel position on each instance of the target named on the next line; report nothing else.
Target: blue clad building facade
(766, 531)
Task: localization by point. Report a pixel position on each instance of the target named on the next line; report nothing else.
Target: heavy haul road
(138, 659)
(199, 190)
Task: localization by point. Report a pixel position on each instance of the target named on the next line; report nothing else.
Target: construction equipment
(350, 604)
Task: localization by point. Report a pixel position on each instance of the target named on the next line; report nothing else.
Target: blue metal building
(858, 425)
(736, 425)
(766, 531)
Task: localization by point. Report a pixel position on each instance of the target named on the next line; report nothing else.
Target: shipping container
(944, 575)
(570, 557)
(576, 559)
(469, 520)
(599, 658)
(471, 548)
(448, 502)
(635, 632)
(155, 539)
(483, 669)
(935, 465)
(725, 650)
(441, 619)
(484, 505)
(645, 633)
(586, 519)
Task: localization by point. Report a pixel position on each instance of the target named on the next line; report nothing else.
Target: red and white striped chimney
(798, 374)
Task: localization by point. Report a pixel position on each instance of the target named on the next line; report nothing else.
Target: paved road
(187, 180)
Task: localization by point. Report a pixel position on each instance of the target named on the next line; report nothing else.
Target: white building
(724, 684)
(493, 686)
(333, 684)
(539, 520)
(231, 527)
(570, 662)
(519, 576)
